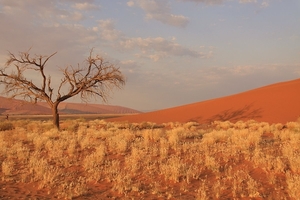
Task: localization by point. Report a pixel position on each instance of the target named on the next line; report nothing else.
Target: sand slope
(276, 103)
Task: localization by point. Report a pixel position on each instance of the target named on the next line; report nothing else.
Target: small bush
(4, 126)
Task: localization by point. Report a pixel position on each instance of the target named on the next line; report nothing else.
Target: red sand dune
(20, 107)
(277, 103)
(78, 108)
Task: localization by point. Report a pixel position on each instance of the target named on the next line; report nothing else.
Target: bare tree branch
(97, 79)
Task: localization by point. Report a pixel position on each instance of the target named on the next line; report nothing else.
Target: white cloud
(154, 48)
(108, 31)
(129, 63)
(131, 69)
(247, 1)
(161, 11)
(72, 16)
(158, 47)
(40, 12)
(217, 2)
(86, 6)
(208, 2)
(130, 3)
(242, 70)
(47, 27)
(264, 4)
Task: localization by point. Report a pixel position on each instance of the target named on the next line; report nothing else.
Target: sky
(172, 52)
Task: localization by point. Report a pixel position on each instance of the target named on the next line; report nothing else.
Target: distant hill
(20, 107)
(276, 103)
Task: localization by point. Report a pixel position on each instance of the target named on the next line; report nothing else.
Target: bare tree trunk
(55, 115)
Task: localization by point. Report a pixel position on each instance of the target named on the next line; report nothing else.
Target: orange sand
(276, 103)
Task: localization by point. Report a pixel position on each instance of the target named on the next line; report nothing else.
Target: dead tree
(97, 78)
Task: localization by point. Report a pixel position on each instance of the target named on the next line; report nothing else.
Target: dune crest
(276, 103)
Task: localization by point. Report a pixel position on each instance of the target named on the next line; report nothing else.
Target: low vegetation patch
(6, 125)
(101, 160)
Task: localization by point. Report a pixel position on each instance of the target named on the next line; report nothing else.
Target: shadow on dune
(245, 113)
(2, 110)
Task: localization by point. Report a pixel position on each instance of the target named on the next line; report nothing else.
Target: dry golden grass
(99, 160)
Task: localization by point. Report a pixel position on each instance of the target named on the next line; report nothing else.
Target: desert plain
(243, 146)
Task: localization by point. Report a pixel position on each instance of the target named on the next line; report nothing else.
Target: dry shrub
(293, 182)
(6, 125)
(179, 161)
(8, 166)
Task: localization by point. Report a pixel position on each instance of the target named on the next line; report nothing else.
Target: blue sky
(172, 52)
